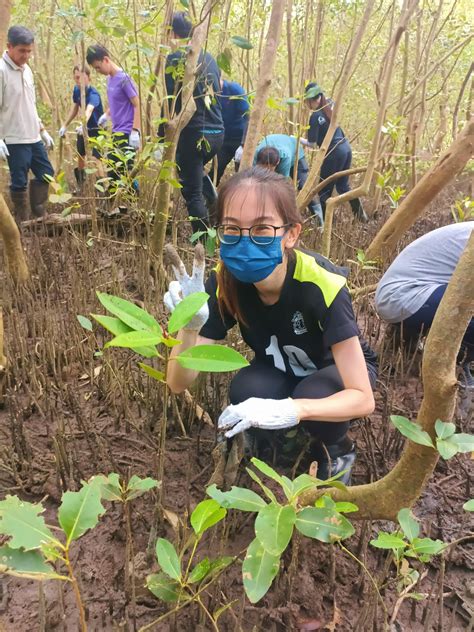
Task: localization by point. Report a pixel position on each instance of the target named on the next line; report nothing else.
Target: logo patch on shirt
(299, 326)
(321, 120)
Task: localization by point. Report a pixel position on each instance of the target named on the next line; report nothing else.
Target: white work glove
(3, 150)
(256, 412)
(186, 285)
(135, 139)
(103, 120)
(62, 131)
(238, 154)
(79, 130)
(47, 139)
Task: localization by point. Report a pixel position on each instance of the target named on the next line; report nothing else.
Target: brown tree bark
(264, 83)
(5, 13)
(402, 486)
(173, 128)
(412, 207)
(10, 234)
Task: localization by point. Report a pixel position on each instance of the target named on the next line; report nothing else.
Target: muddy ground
(68, 414)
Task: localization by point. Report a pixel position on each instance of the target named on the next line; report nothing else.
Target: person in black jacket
(203, 136)
(339, 154)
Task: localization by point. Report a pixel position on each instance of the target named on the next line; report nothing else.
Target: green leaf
(80, 511)
(200, 571)
(270, 472)
(411, 430)
(112, 324)
(219, 564)
(168, 341)
(117, 327)
(259, 569)
(159, 376)
(163, 587)
(111, 488)
(464, 442)
(129, 313)
(138, 486)
(447, 448)
(444, 429)
(241, 42)
(346, 507)
(21, 563)
(268, 493)
(134, 339)
(323, 523)
(274, 527)
(388, 541)
(409, 525)
(237, 498)
(469, 505)
(61, 198)
(185, 310)
(20, 521)
(427, 546)
(224, 63)
(168, 558)
(84, 322)
(303, 483)
(211, 358)
(206, 514)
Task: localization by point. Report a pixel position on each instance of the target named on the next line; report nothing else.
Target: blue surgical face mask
(250, 262)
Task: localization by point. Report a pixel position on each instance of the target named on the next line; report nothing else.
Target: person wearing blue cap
(203, 136)
(339, 154)
(280, 153)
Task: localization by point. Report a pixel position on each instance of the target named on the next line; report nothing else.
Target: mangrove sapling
(183, 583)
(33, 549)
(275, 522)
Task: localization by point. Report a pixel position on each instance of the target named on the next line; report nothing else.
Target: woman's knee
(260, 381)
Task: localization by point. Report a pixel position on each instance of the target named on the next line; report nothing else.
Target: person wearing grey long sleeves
(411, 289)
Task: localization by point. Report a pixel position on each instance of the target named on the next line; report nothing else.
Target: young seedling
(275, 522)
(35, 550)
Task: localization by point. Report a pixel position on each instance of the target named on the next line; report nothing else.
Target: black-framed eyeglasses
(260, 234)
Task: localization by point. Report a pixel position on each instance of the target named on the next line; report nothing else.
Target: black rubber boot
(80, 176)
(21, 208)
(38, 197)
(358, 210)
(342, 457)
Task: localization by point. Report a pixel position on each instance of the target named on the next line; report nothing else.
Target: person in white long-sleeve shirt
(23, 138)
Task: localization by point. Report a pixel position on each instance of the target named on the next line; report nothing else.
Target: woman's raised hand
(185, 284)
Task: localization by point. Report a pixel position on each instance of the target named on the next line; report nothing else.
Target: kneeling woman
(309, 368)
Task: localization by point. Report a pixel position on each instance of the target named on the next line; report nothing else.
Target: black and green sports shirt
(295, 334)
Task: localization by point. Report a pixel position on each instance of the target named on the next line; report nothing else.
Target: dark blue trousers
(338, 158)
(423, 318)
(24, 157)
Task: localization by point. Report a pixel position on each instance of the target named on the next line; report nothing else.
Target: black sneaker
(342, 457)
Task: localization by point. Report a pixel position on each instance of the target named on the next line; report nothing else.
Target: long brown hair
(270, 185)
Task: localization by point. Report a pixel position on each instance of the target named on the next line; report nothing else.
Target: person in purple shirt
(123, 110)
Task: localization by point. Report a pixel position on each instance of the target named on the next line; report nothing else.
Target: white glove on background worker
(62, 131)
(238, 154)
(257, 412)
(103, 120)
(47, 139)
(79, 130)
(186, 285)
(3, 150)
(135, 139)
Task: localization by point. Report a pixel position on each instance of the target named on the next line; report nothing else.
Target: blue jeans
(423, 319)
(337, 159)
(24, 157)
